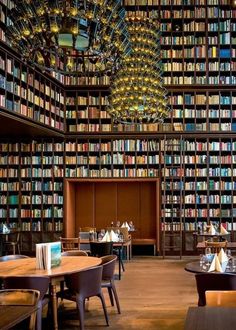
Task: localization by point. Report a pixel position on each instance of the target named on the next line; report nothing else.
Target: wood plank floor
(154, 295)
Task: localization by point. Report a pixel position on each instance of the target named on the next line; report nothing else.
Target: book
(48, 255)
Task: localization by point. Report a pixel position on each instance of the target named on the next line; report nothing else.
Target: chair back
(221, 298)
(216, 246)
(87, 283)
(39, 283)
(87, 229)
(108, 263)
(74, 253)
(72, 243)
(99, 249)
(213, 281)
(90, 236)
(12, 257)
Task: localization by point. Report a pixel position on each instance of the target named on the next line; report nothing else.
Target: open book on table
(48, 255)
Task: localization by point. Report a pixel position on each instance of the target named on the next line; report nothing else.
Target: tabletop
(12, 315)
(210, 318)
(194, 267)
(27, 266)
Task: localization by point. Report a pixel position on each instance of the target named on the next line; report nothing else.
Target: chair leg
(110, 295)
(80, 307)
(122, 265)
(14, 249)
(18, 246)
(39, 317)
(104, 307)
(116, 297)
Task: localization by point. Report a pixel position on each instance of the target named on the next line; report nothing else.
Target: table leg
(119, 263)
(54, 306)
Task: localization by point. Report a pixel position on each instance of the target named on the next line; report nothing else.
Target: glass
(208, 256)
(228, 253)
(101, 234)
(233, 264)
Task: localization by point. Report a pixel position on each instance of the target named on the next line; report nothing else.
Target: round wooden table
(27, 267)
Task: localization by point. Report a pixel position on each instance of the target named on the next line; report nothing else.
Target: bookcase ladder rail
(172, 184)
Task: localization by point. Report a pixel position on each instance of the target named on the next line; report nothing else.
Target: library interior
(118, 164)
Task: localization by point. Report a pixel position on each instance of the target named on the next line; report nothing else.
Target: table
(210, 318)
(194, 267)
(27, 267)
(230, 245)
(12, 315)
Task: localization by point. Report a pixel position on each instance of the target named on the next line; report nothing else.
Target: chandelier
(68, 35)
(137, 92)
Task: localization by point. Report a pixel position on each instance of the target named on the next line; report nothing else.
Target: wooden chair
(221, 298)
(21, 298)
(72, 243)
(87, 229)
(216, 246)
(12, 243)
(74, 253)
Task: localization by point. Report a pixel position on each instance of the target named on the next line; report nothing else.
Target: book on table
(48, 255)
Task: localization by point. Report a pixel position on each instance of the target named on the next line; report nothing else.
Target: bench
(145, 241)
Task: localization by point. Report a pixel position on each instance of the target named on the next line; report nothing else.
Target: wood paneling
(84, 205)
(148, 198)
(105, 204)
(98, 202)
(128, 202)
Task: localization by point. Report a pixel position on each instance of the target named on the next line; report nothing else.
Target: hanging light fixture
(66, 35)
(137, 92)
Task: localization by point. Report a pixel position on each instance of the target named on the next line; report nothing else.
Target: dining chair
(12, 243)
(108, 263)
(70, 243)
(20, 297)
(12, 257)
(221, 298)
(99, 249)
(40, 283)
(74, 253)
(83, 285)
(213, 281)
(216, 246)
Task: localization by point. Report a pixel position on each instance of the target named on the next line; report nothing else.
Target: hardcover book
(48, 255)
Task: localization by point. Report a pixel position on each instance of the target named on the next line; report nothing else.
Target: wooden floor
(154, 295)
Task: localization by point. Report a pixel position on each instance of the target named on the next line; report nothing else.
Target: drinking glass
(228, 253)
(234, 264)
(208, 255)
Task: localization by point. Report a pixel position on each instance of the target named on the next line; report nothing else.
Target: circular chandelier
(137, 92)
(67, 35)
